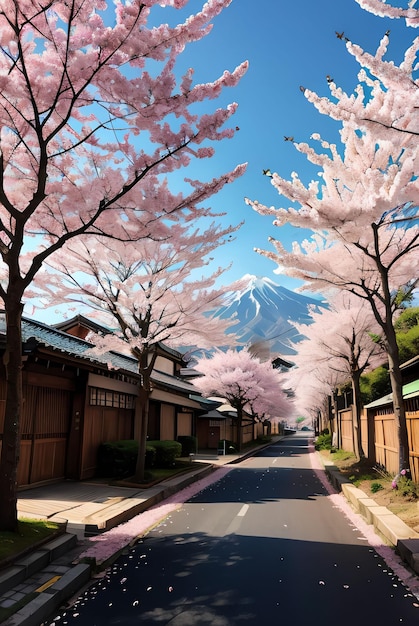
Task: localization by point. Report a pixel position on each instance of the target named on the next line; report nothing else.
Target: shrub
(323, 442)
(376, 487)
(166, 452)
(407, 488)
(150, 457)
(117, 459)
(264, 439)
(189, 444)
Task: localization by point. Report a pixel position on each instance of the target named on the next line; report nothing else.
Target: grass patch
(347, 464)
(376, 487)
(30, 532)
(342, 456)
(377, 484)
(359, 478)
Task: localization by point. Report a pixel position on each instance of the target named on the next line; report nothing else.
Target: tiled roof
(68, 344)
(88, 324)
(172, 381)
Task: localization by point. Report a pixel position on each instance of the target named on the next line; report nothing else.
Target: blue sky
(287, 45)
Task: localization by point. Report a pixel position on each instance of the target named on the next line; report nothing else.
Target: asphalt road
(264, 545)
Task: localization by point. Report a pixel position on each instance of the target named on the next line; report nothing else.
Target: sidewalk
(41, 581)
(92, 507)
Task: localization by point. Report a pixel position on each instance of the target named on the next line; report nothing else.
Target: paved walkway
(91, 507)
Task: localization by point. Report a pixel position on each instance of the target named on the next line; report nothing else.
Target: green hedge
(166, 452)
(323, 442)
(189, 444)
(117, 459)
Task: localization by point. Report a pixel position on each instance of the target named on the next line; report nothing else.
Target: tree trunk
(239, 427)
(141, 417)
(145, 367)
(333, 415)
(11, 434)
(392, 349)
(356, 377)
(398, 404)
(338, 430)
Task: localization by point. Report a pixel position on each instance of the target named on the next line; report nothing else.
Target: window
(103, 397)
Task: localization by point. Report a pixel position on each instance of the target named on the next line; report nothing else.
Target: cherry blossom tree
(384, 102)
(340, 340)
(93, 121)
(265, 407)
(362, 211)
(148, 292)
(248, 384)
(315, 387)
(381, 8)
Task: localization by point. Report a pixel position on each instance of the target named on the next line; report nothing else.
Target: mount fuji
(263, 311)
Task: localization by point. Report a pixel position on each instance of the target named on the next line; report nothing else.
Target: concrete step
(27, 566)
(37, 584)
(50, 598)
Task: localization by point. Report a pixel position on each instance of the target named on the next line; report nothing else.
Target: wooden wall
(184, 424)
(167, 422)
(44, 427)
(102, 423)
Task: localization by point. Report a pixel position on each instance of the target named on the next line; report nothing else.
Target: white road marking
(243, 510)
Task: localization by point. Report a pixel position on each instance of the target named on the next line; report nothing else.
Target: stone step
(33, 562)
(51, 597)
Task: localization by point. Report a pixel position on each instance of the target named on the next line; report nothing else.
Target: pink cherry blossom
(93, 123)
(250, 385)
(336, 348)
(381, 8)
(362, 208)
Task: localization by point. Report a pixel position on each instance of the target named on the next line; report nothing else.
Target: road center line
(243, 510)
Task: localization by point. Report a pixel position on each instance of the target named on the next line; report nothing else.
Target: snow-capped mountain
(263, 311)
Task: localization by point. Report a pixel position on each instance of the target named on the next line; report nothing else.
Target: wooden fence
(386, 447)
(380, 425)
(102, 424)
(346, 430)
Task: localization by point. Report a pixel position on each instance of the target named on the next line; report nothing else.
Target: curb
(120, 516)
(387, 525)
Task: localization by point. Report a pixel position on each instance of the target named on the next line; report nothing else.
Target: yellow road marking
(49, 583)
